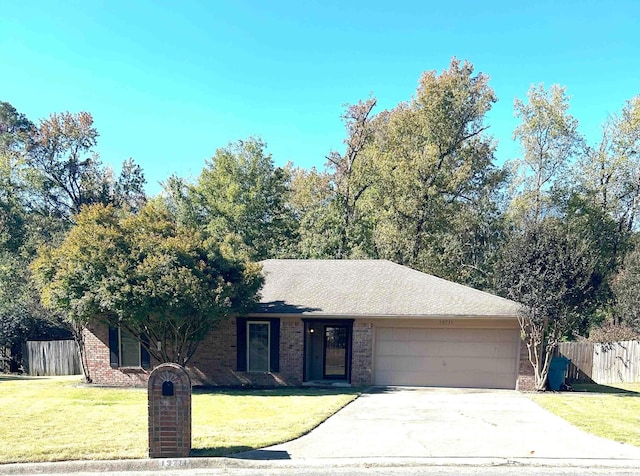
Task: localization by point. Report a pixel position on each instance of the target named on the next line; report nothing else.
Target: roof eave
(319, 315)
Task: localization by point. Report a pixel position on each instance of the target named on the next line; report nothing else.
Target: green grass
(55, 419)
(610, 411)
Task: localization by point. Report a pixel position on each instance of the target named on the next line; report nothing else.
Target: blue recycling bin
(557, 369)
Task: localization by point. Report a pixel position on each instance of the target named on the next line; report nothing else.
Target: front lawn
(610, 411)
(53, 419)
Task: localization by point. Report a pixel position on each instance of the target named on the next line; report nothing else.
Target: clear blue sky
(168, 82)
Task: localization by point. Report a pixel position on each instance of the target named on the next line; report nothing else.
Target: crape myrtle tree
(165, 283)
(552, 272)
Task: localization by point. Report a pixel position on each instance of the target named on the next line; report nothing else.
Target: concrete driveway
(446, 423)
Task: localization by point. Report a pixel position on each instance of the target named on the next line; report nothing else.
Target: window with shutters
(129, 350)
(258, 344)
(126, 350)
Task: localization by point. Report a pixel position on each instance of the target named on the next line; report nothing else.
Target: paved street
(382, 466)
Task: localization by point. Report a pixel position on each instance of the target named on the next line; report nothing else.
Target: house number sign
(446, 322)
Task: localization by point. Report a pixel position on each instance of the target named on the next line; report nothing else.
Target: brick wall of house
(214, 363)
(526, 375)
(362, 354)
(291, 350)
(96, 340)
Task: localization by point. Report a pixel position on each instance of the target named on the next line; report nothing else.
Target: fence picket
(60, 357)
(614, 362)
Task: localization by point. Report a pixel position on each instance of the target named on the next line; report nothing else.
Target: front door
(335, 352)
(327, 353)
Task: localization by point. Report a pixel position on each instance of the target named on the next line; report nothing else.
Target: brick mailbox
(169, 412)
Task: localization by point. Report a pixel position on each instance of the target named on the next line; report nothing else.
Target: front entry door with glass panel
(335, 352)
(327, 353)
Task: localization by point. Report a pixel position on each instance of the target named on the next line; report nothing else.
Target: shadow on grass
(10, 377)
(598, 388)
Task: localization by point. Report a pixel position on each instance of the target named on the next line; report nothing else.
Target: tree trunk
(78, 336)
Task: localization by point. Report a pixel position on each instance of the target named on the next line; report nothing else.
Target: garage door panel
(446, 357)
(399, 334)
(388, 348)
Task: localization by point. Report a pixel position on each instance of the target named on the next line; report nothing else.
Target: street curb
(180, 464)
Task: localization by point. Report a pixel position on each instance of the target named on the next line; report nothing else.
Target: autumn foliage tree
(166, 284)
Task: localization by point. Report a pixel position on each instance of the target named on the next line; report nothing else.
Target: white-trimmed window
(125, 350)
(258, 346)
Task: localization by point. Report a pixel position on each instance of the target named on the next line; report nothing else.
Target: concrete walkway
(446, 423)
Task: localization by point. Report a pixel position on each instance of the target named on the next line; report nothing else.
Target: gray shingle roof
(375, 288)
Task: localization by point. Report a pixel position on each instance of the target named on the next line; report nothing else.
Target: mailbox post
(169, 412)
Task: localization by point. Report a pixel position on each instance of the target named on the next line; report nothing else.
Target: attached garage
(374, 322)
(446, 357)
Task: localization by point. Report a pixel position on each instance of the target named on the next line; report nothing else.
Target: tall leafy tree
(608, 180)
(21, 315)
(166, 284)
(243, 196)
(15, 134)
(434, 160)
(128, 189)
(62, 153)
(626, 286)
(312, 200)
(549, 138)
(352, 174)
(552, 272)
(68, 174)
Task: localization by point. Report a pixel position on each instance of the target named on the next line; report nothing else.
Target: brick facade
(96, 342)
(526, 376)
(362, 354)
(215, 362)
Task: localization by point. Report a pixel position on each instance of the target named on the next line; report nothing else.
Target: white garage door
(481, 358)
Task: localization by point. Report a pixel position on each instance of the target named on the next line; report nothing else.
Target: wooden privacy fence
(5, 358)
(611, 362)
(55, 357)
